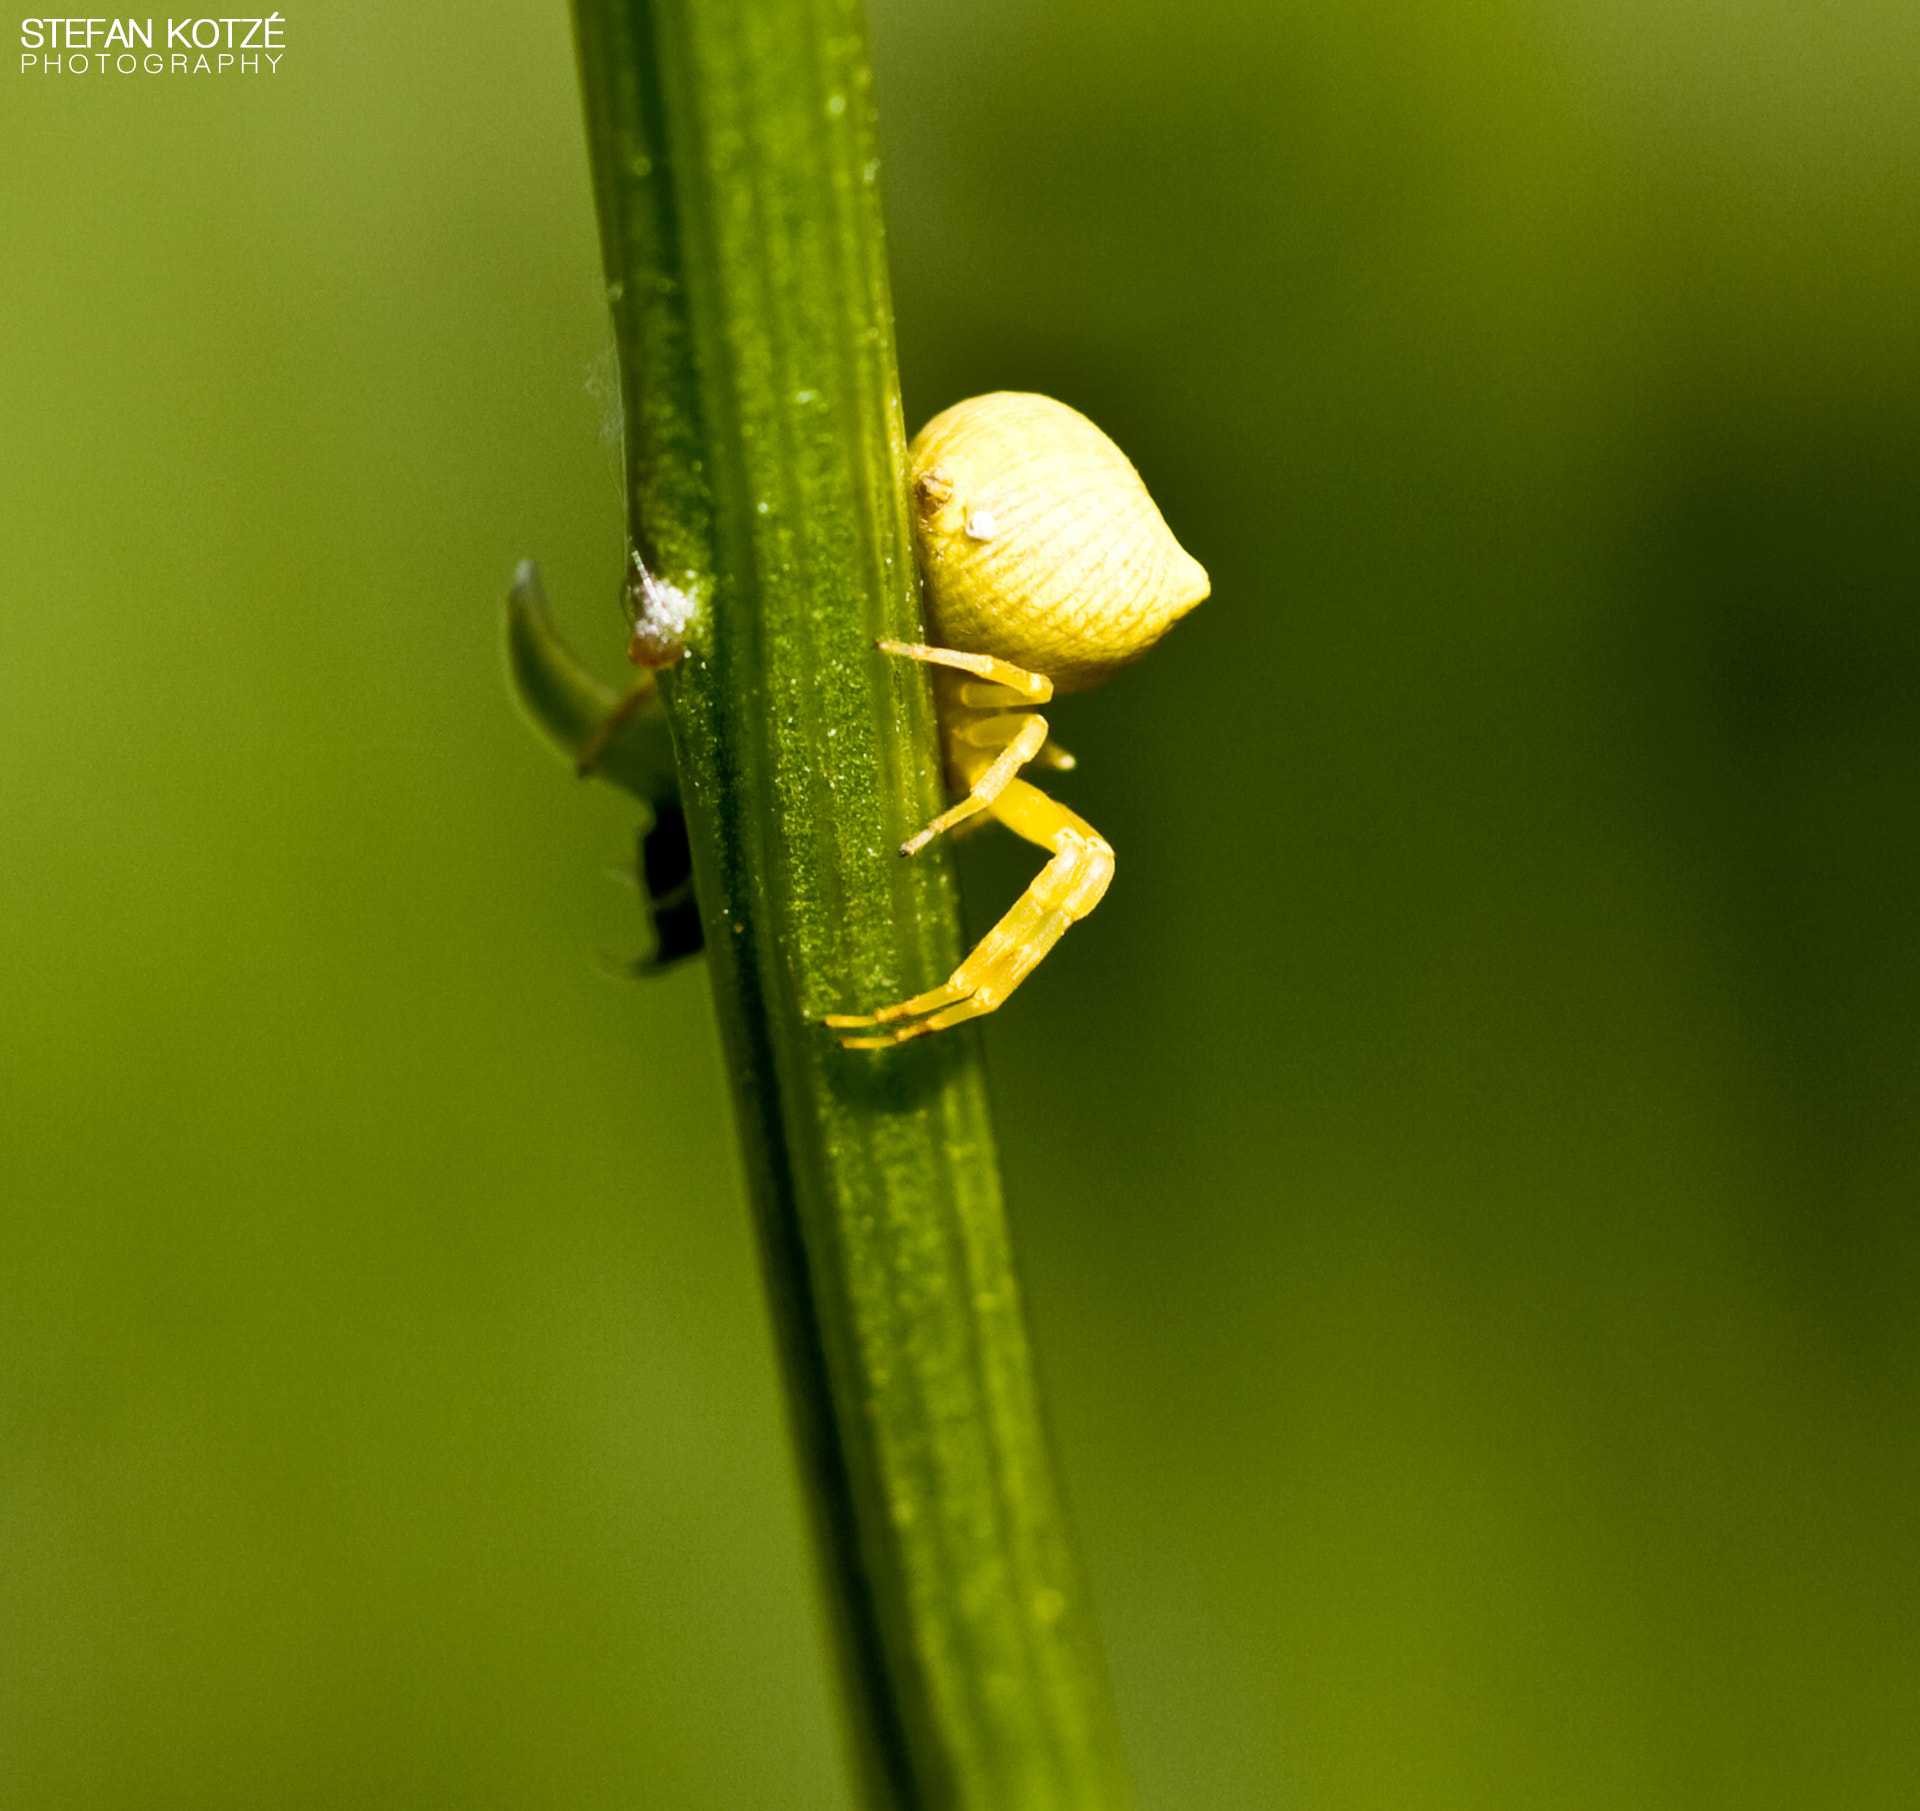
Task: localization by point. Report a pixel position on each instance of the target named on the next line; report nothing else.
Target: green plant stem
(734, 164)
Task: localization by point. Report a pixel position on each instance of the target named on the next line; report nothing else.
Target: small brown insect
(1046, 568)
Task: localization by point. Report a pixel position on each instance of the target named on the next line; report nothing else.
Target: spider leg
(1024, 736)
(1065, 890)
(1031, 688)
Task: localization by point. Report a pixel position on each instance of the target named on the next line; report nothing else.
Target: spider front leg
(1002, 675)
(1065, 890)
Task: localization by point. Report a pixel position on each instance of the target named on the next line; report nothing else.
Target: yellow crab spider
(1046, 568)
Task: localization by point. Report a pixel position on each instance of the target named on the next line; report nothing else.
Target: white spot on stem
(662, 614)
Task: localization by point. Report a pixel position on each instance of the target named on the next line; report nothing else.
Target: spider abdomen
(1039, 544)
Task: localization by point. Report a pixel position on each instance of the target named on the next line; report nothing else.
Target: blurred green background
(1467, 1172)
